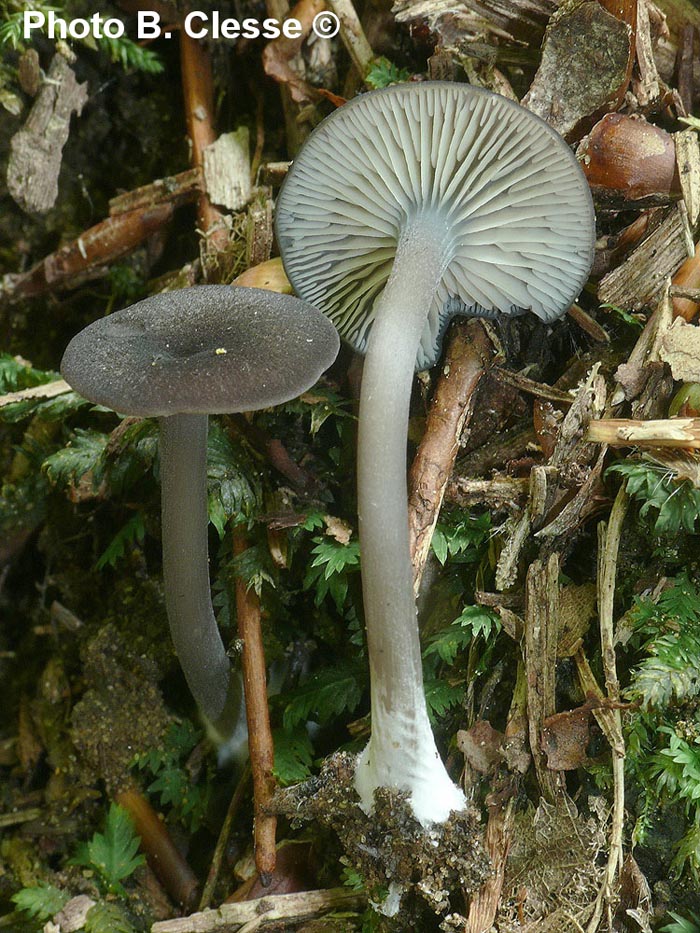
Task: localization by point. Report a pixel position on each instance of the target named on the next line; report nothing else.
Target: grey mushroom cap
(208, 349)
(510, 191)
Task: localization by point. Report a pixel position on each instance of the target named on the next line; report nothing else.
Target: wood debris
(264, 912)
(36, 150)
(585, 68)
(637, 282)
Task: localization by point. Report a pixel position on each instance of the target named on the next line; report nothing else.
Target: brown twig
(260, 743)
(468, 355)
(198, 90)
(170, 867)
(215, 867)
(89, 255)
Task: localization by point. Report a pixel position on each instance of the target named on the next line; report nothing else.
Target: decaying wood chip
(646, 84)
(680, 348)
(688, 159)
(541, 635)
(501, 492)
(73, 916)
(629, 162)
(585, 68)
(637, 282)
(36, 149)
(226, 165)
(259, 231)
(467, 19)
(684, 68)
(260, 913)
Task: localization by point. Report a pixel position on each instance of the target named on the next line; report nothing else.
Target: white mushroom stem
(185, 519)
(401, 752)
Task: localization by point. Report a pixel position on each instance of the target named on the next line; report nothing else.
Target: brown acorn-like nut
(629, 160)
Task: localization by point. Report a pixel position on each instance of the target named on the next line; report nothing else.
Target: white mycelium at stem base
(401, 752)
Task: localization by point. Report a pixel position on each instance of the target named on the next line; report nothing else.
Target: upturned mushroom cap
(517, 207)
(206, 349)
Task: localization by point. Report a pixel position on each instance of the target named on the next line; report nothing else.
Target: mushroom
(180, 356)
(405, 207)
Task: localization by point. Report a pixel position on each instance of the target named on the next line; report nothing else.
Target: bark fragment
(36, 150)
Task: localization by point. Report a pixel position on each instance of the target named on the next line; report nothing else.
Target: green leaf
(235, 491)
(113, 855)
(474, 621)
(41, 902)
(328, 572)
(82, 455)
(325, 695)
(106, 917)
(383, 73)
(132, 533)
(441, 697)
(682, 924)
(676, 503)
(293, 755)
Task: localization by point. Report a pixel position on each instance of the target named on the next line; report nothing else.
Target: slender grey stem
(200, 650)
(401, 752)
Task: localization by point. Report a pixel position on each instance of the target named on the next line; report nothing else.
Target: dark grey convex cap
(517, 205)
(207, 349)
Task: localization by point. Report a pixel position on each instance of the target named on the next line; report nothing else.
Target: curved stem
(200, 650)
(401, 752)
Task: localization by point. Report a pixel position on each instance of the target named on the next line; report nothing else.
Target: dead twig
(260, 743)
(88, 256)
(222, 841)
(467, 358)
(165, 859)
(608, 549)
(353, 35)
(626, 432)
(234, 918)
(198, 90)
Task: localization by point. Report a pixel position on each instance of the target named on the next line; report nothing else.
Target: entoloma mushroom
(405, 207)
(180, 356)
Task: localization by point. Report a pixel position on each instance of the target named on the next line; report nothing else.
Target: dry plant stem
(198, 92)
(260, 744)
(625, 432)
(541, 636)
(608, 549)
(465, 362)
(167, 863)
(233, 918)
(353, 35)
(233, 808)
(182, 188)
